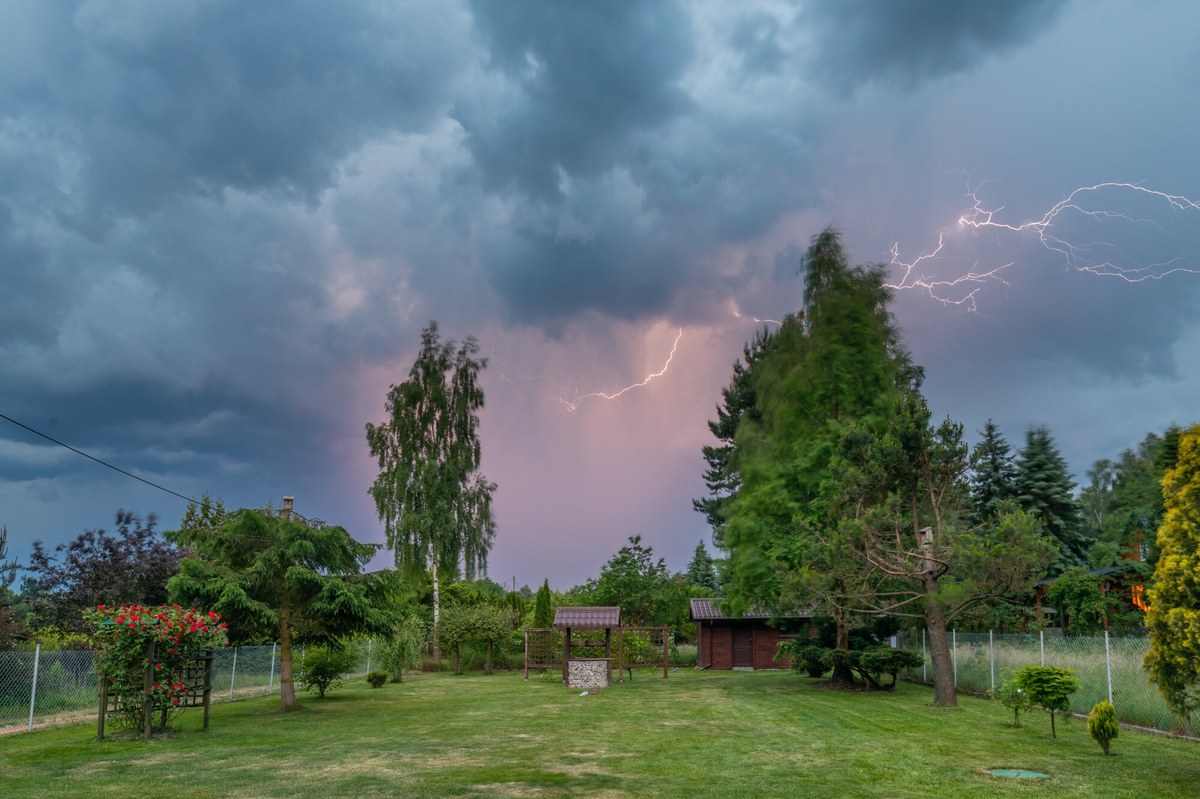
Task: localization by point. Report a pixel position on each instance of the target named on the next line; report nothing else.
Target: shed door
(742, 648)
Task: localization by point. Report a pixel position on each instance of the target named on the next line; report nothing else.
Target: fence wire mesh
(45, 689)
(983, 660)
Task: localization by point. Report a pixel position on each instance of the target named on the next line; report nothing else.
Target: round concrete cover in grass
(1017, 773)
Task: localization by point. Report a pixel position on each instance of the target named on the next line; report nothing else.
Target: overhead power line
(115, 468)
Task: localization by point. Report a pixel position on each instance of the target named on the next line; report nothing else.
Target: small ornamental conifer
(1102, 724)
(1048, 686)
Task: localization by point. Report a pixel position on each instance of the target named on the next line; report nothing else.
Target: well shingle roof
(587, 617)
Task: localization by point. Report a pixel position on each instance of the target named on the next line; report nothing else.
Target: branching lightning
(572, 404)
(1099, 257)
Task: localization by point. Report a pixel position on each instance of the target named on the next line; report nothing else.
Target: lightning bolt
(572, 404)
(737, 313)
(1097, 257)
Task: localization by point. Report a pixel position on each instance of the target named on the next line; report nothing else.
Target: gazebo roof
(587, 618)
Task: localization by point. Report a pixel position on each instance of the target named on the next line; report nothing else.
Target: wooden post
(608, 651)
(148, 696)
(566, 652)
(666, 652)
(208, 661)
(103, 707)
(526, 654)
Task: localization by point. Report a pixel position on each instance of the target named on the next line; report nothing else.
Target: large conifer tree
(1044, 488)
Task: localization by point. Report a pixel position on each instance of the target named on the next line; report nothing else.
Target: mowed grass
(698, 734)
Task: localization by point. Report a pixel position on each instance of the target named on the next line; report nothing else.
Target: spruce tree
(1044, 488)
(993, 474)
(1174, 616)
(543, 611)
(702, 569)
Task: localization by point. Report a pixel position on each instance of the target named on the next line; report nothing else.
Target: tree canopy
(435, 505)
(1174, 616)
(277, 578)
(129, 566)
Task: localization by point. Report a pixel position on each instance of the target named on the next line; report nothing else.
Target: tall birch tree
(435, 505)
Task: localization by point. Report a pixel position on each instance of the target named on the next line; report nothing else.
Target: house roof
(587, 617)
(708, 610)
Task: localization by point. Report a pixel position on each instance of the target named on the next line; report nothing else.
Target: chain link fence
(46, 689)
(1107, 668)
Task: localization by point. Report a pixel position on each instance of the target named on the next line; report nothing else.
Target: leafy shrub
(1014, 697)
(377, 678)
(125, 637)
(808, 658)
(402, 652)
(323, 667)
(1048, 686)
(877, 661)
(1102, 724)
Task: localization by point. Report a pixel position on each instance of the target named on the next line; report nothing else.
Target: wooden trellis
(196, 676)
(643, 648)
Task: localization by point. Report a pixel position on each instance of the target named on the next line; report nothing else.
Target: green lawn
(698, 734)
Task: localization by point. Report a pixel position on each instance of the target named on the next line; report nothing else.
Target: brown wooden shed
(724, 641)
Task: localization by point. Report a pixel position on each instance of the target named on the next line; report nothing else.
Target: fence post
(369, 642)
(37, 656)
(232, 673)
(954, 653)
(992, 659)
(1108, 666)
(271, 679)
(1042, 646)
(923, 678)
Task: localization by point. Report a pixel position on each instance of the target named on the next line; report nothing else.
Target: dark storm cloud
(165, 100)
(865, 41)
(586, 77)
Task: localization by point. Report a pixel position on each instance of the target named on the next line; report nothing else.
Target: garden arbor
(559, 647)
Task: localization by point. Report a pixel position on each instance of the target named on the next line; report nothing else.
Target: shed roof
(708, 610)
(587, 617)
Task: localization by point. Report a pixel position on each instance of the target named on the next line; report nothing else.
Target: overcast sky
(223, 225)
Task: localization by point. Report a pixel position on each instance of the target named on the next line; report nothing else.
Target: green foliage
(808, 658)
(993, 475)
(1123, 502)
(376, 678)
(543, 612)
(1102, 724)
(1048, 686)
(402, 650)
(127, 635)
(640, 585)
(1078, 596)
(1045, 489)
(435, 505)
(455, 630)
(702, 570)
(1014, 697)
(1174, 616)
(323, 668)
(270, 576)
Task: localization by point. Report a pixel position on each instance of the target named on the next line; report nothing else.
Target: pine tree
(993, 475)
(1044, 488)
(1174, 616)
(702, 570)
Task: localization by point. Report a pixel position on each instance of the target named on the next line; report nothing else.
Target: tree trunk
(437, 613)
(842, 673)
(487, 665)
(287, 685)
(944, 693)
